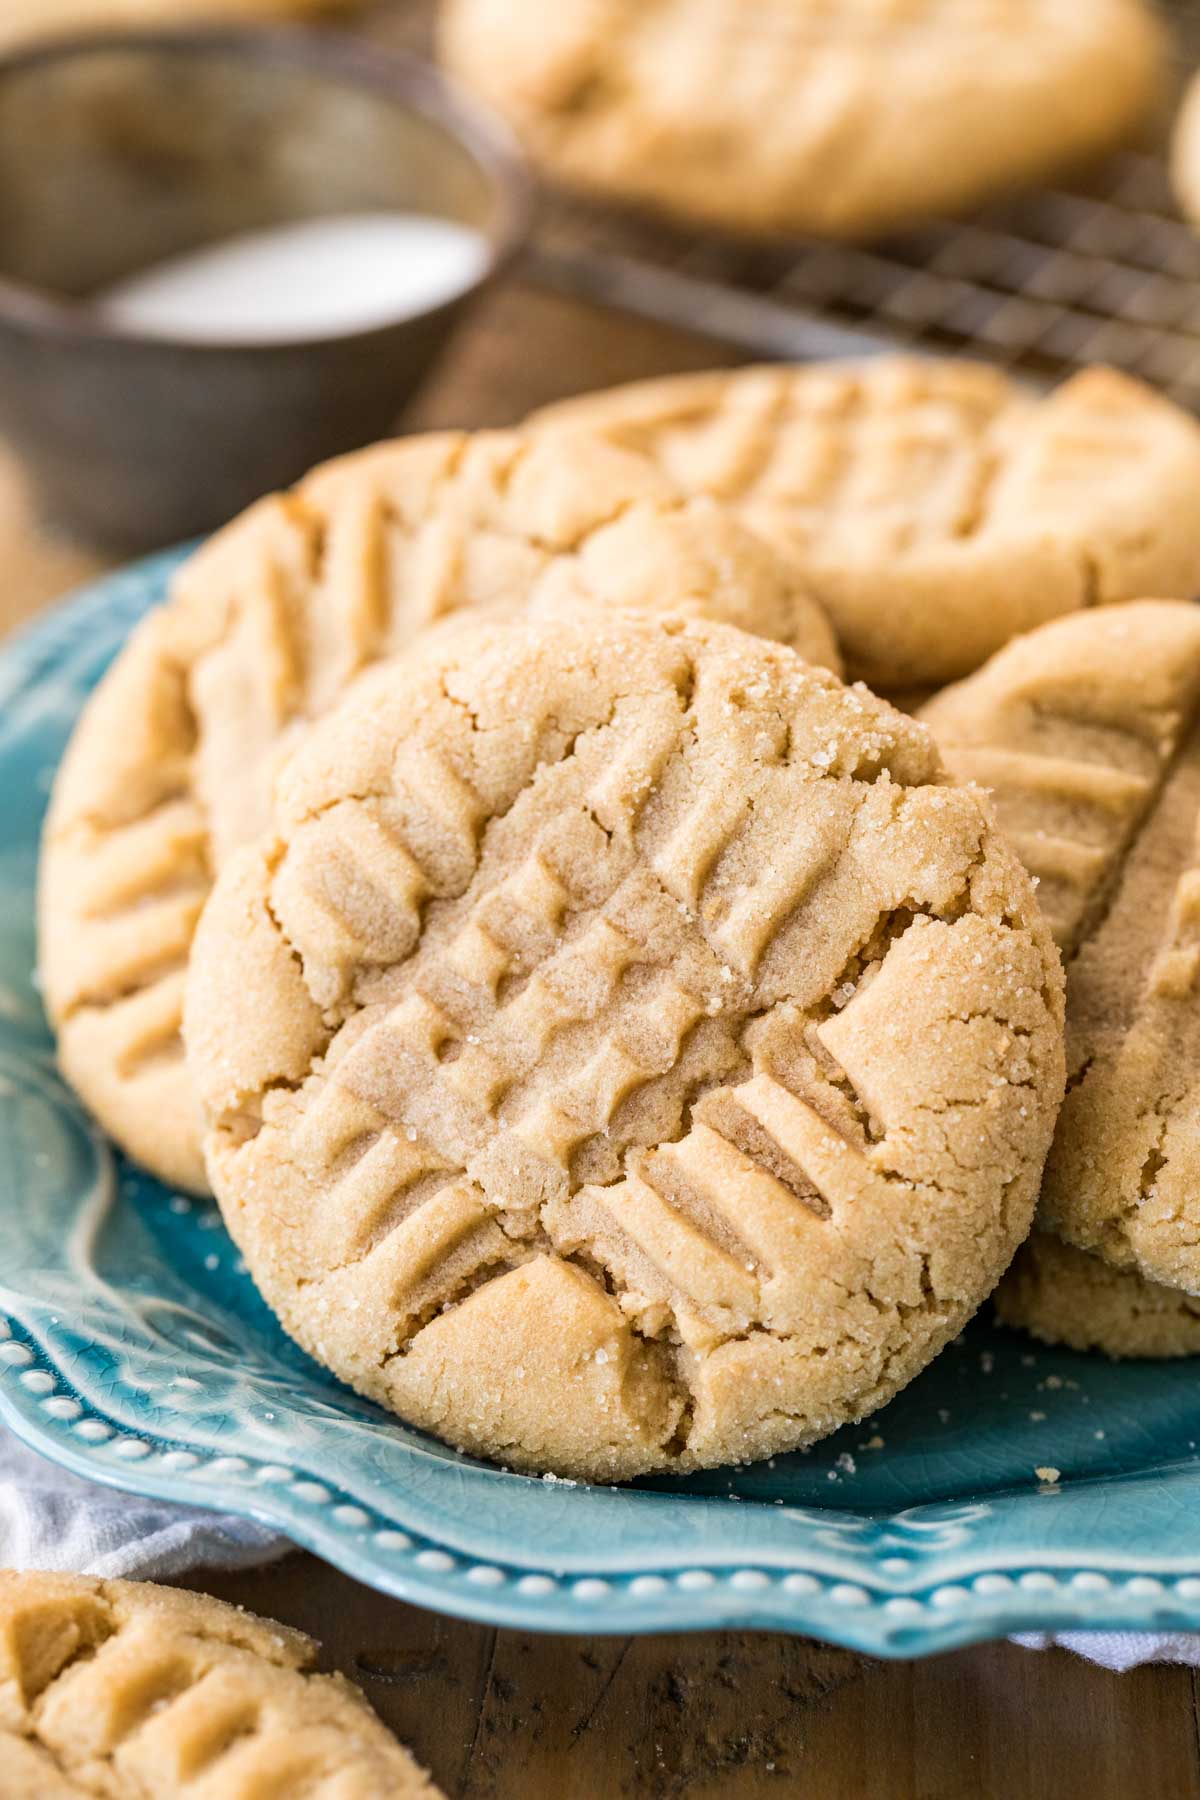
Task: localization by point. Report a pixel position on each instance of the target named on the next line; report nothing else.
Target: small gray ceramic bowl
(119, 151)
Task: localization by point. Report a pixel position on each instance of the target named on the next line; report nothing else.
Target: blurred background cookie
(1086, 733)
(1185, 152)
(795, 115)
(30, 21)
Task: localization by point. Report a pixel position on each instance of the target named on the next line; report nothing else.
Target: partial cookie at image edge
(775, 117)
(40, 21)
(233, 1702)
(1087, 735)
(1185, 152)
(1063, 1295)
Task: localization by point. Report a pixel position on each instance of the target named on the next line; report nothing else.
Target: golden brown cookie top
(935, 508)
(123, 1689)
(628, 1052)
(171, 765)
(798, 115)
(1072, 729)
(1088, 735)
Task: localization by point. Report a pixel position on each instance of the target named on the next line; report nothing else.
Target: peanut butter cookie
(1087, 732)
(627, 1052)
(936, 509)
(171, 765)
(122, 1689)
(32, 20)
(1185, 152)
(1066, 1296)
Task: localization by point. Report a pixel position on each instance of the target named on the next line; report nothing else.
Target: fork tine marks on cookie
(173, 763)
(718, 1130)
(1087, 733)
(122, 1687)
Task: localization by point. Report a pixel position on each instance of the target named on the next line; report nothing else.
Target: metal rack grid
(1103, 272)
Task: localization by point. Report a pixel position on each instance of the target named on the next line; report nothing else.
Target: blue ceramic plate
(134, 1349)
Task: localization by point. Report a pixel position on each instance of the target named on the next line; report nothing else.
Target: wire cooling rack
(1105, 271)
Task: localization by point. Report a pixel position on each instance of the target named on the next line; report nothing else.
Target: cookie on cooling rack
(795, 115)
(935, 508)
(171, 764)
(1087, 733)
(125, 1689)
(1067, 1296)
(627, 1052)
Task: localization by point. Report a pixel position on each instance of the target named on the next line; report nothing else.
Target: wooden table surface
(514, 1717)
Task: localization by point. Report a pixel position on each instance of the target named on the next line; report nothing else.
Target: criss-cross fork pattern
(111, 1688)
(637, 1019)
(172, 766)
(902, 455)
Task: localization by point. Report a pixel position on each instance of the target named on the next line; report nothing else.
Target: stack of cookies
(617, 1045)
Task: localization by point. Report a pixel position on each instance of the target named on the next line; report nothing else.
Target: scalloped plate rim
(863, 1625)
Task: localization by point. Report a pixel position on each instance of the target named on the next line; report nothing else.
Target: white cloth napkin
(1119, 1650)
(50, 1519)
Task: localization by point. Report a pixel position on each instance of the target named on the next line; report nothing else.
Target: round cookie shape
(795, 115)
(628, 1053)
(1066, 1296)
(126, 1689)
(1087, 733)
(170, 767)
(936, 509)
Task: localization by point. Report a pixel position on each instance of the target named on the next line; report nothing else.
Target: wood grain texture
(503, 1716)
(499, 1715)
